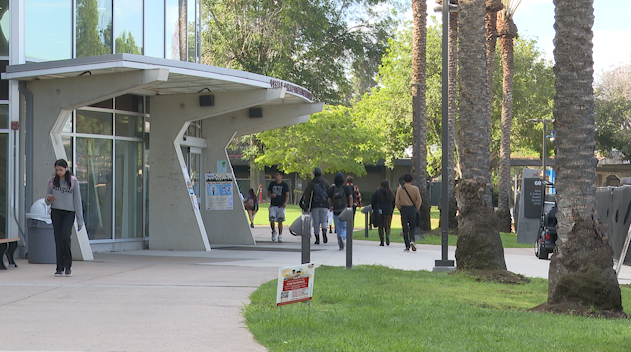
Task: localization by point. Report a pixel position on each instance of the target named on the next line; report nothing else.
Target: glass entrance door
(193, 160)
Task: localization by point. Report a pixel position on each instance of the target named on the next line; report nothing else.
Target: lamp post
(544, 151)
(445, 264)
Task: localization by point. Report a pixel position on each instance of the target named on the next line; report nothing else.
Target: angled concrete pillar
(195, 229)
(53, 102)
(233, 227)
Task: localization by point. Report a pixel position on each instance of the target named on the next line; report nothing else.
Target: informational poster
(219, 191)
(222, 166)
(189, 186)
(295, 284)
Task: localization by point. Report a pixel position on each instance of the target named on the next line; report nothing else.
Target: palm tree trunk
(479, 243)
(581, 267)
(419, 78)
(507, 31)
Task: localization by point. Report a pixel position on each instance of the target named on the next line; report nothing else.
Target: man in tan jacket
(408, 201)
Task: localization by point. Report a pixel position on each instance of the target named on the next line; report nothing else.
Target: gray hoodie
(68, 197)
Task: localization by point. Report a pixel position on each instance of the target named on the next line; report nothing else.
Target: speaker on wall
(206, 100)
(256, 112)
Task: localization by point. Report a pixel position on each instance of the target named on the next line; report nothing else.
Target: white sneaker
(273, 235)
(280, 238)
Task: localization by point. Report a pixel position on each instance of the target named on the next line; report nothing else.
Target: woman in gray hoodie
(64, 197)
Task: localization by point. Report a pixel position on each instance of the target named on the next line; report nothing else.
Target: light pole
(445, 263)
(544, 151)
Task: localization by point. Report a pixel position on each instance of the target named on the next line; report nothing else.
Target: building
(116, 88)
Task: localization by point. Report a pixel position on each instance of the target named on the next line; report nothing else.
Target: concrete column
(53, 101)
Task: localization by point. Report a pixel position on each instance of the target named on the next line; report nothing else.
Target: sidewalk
(177, 300)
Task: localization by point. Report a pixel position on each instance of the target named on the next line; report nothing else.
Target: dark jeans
(408, 221)
(63, 220)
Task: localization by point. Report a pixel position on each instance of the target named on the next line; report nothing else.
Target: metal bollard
(306, 238)
(366, 210)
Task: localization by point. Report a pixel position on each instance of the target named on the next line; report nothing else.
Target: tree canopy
(331, 47)
(613, 112)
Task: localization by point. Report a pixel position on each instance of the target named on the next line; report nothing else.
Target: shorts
(276, 213)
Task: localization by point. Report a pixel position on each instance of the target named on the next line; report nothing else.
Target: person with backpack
(63, 194)
(315, 202)
(357, 195)
(408, 201)
(340, 196)
(383, 204)
(278, 191)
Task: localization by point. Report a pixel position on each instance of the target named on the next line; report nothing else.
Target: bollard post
(367, 211)
(306, 238)
(350, 224)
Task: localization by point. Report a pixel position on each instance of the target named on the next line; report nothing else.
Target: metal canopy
(184, 77)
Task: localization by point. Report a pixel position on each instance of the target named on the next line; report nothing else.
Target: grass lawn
(374, 308)
(509, 240)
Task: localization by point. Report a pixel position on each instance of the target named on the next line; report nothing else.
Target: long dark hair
(251, 194)
(385, 189)
(67, 176)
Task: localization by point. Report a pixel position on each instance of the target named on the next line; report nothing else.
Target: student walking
(278, 191)
(383, 206)
(340, 197)
(251, 205)
(315, 200)
(408, 201)
(63, 194)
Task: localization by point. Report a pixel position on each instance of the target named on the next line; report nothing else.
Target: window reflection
(128, 126)
(4, 27)
(129, 185)
(172, 30)
(154, 28)
(94, 172)
(94, 122)
(128, 26)
(94, 27)
(4, 117)
(48, 29)
(4, 140)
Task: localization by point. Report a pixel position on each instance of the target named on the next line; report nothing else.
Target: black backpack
(319, 193)
(339, 199)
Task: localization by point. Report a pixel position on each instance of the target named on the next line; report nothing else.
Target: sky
(612, 29)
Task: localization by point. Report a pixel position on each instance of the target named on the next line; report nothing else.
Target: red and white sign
(295, 284)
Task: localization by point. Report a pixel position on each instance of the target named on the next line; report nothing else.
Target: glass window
(190, 30)
(128, 126)
(4, 27)
(4, 84)
(67, 142)
(172, 30)
(94, 172)
(4, 116)
(4, 140)
(129, 185)
(48, 29)
(130, 102)
(106, 104)
(68, 126)
(94, 27)
(128, 26)
(154, 28)
(94, 122)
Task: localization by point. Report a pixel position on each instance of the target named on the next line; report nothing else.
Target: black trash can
(41, 242)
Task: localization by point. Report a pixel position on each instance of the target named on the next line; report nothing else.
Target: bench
(8, 247)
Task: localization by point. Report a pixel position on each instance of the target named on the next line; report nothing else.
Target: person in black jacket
(383, 203)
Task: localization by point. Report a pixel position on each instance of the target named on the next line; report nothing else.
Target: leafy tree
(321, 45)
(90, 40)
(330, 139)
(126, 43)
(613, 112)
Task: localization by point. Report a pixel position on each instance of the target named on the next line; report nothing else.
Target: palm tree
(490, 26)
(419, 77)
(507, 31)
(182, 20)
(581, 267)
(452, 107)
(479, 243)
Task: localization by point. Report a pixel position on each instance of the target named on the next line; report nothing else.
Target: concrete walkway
(173, 300)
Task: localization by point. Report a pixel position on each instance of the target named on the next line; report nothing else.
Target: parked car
(546, 241)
